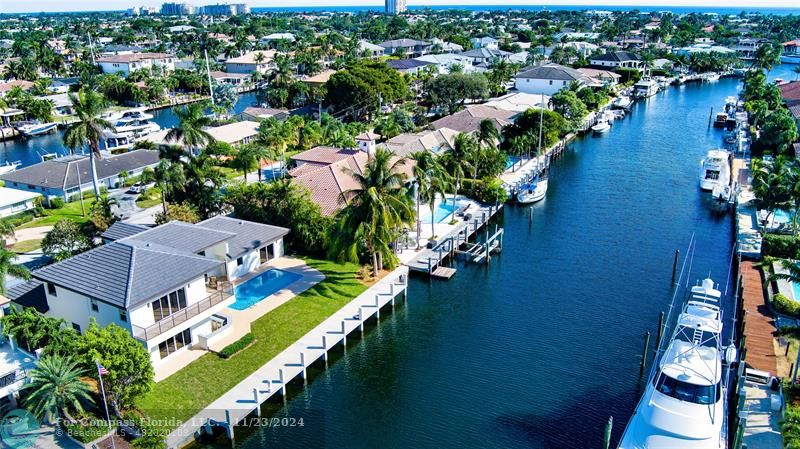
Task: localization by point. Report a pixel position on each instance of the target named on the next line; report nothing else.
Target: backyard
(187, 392)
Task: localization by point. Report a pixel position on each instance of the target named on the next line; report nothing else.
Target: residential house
(548, 79)
(606, 77)
(746, 46)
(410, 48)
(327, 173)
(128, 63)
(256, 113)
(469, 119)
(408, 66)
(167, 286)
(370, 50)
(485, 56)
(519, 102)
(319, 79)
(790, 92)
(277, 37)
(6, 86)
(180, 29)
(251, 62)
(436, 141)
(447, 47)
(615, 59)
(703, 48)
(234, 79)
(234, 134)
(13, 201)
(111, 50)
(62, 105)
(65, 177)
(445, 61)
(62, 85)
(485, 42)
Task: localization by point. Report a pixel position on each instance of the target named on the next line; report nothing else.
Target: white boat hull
(537, 194)
(36, 130)
(601, 129)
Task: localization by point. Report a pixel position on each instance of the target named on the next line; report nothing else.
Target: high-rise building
(395, 6)
(226, 10)
(177, 9)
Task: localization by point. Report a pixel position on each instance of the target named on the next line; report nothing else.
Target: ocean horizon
(723, 10)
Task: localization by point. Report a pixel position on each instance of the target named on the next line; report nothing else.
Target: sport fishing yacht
(715, 170)
(684, 403)
(129, 126)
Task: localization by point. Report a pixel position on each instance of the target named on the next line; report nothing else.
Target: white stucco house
(167, 285)
(128, 63)
(13, 201)
(548, 79)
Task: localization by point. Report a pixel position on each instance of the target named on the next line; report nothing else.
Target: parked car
(136, 188)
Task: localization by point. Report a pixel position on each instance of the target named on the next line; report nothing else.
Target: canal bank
(539, 348)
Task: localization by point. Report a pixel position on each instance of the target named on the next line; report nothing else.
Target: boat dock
(432, 261)
(758, 323)
(245, 399)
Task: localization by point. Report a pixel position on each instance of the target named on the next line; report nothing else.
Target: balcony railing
(181, 316)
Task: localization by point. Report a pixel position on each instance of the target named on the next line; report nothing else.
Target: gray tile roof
(484, 53)
(617, 56)
(403, 43)
(127, 273)
(248, 235)
(29, 294)
(406, 64)
(552, 72)
(120, 230)
(183, 236)
(63, 173)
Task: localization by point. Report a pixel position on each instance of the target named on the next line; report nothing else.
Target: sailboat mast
(208, 73)
(541, 125)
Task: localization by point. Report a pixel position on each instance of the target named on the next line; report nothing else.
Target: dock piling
(283, 384)
(607, 436)
(644, 353)
(660, 330)
(675, 265)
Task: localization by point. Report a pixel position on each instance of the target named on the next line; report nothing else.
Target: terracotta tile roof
(790, 90)
(469, 119)
(124, 59)
(324, 155)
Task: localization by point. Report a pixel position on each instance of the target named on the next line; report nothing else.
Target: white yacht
(623, 102)
(645, 88)
(8, 167)
(129, 126)
(712, 77)
(715, 170)
(684, 403)
(602, 127)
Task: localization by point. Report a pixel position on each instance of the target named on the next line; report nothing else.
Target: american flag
(101, 370)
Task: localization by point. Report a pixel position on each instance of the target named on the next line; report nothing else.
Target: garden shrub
(786, 306)
(237, 345)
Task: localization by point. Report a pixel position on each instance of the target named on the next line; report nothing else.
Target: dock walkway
(759, 323)
(246, 398)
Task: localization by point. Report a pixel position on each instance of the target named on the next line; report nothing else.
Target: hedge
(781, 246)
(786, 306)
(237, 345)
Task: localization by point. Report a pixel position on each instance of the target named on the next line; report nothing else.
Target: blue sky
(94, 5)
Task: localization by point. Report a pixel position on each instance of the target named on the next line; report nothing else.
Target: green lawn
(151, 197)
(70, 211)
(26, 246)
(188, 391)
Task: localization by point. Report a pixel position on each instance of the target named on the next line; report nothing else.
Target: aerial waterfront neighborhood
(229, 225)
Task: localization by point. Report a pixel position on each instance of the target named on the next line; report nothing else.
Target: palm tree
(463, 149)
(436, 187)
(487, 137)
(423, 164)
(56, 387)
(247, 158)
(168, 176)
(88, 128)
(375, 212)
(193, 121)
(277, 136)
(8, 267)
(771, 185)
(796, 70)
(6, 231)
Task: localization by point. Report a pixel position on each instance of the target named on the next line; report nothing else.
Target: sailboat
(684, 403)
(536, 190)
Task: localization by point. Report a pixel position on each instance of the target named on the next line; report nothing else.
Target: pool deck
(240, 319)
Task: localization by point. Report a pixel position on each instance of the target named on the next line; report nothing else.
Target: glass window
(685, 391)
(123, 315)
(77, 327)
(95, 306)
(51, 289)
(239, 261)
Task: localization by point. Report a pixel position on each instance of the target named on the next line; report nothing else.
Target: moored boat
(645, 88)
(712, 77)
(129, 126)
(601, 127)
(684, 403)
(720, 119)
(533, 192)
(715, 170)
(36, 128)
(8, 167)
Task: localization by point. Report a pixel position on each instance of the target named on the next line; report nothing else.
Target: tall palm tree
(168, 176)
(375, 212)
(487, 138)
(460, 156)
(771, 185)
(423, 164)
(277, 136)
(89, 128)
(55, 388)
(249, 157)
(8, 267)
(191, 129)
(436, 187)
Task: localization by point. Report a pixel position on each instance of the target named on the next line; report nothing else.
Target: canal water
(29, 151)
(540, 348)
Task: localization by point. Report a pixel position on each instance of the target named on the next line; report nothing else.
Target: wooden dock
(245, 399)
(431, 260)
(759, 323)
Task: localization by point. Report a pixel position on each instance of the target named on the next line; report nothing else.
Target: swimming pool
(441, 212)
(782, 216)
(260, 287)
(511, 160)
(796, 291)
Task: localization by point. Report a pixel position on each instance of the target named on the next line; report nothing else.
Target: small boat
(623, 102)
(601, 127)
(715, 170)
(36, 128)
(712, 77)
(129, 126)
(9, 166)
(533, 192)
(722, 192)
(684, 403)
(720, 120)
(681, 79)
